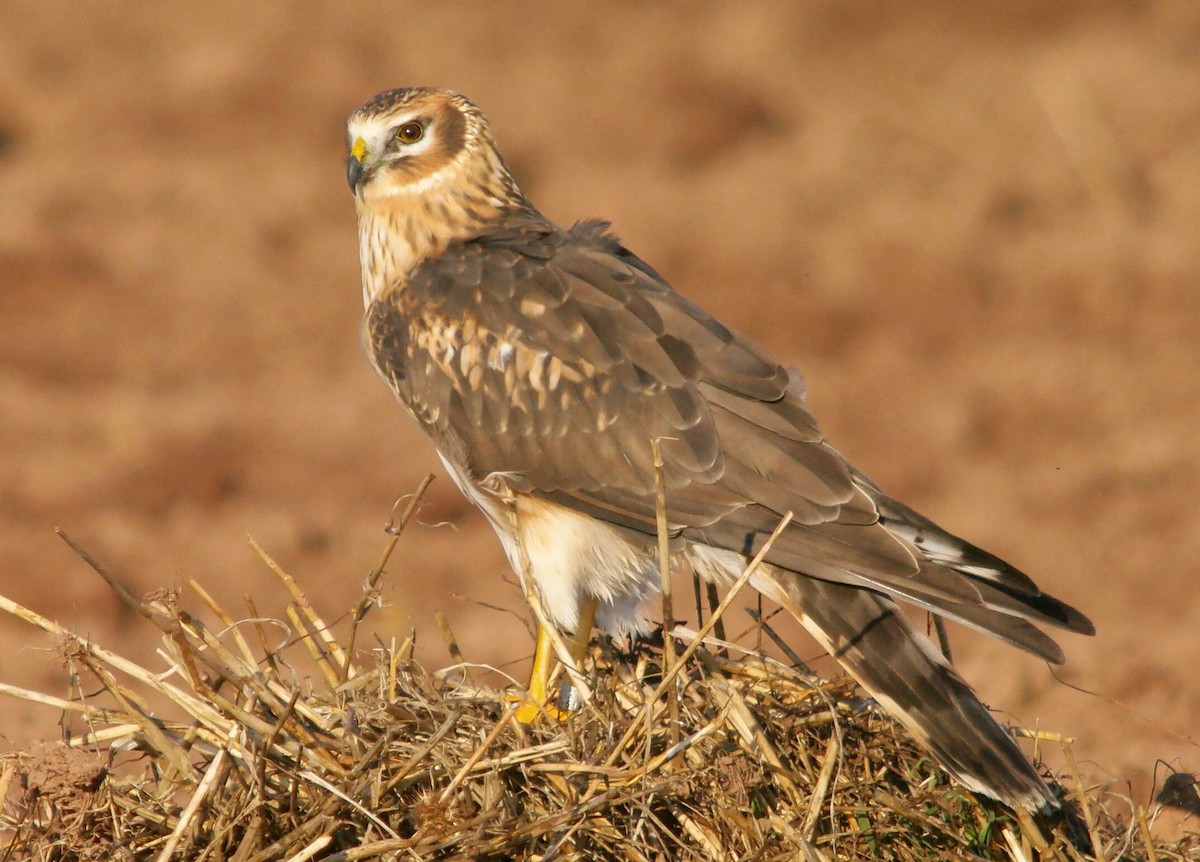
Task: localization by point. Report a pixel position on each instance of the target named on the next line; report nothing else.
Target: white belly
(572, 556)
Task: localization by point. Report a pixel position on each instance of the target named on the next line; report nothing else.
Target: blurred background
(976, 231)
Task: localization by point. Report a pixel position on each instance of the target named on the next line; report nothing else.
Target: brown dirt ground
(975, 231)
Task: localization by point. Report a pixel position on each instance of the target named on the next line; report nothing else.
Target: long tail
(901, 669)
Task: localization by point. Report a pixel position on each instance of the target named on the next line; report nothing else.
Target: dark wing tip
(1049, 609)
(1076, 621)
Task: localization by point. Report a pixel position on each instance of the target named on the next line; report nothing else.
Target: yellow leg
(583, 631)
(543, 662)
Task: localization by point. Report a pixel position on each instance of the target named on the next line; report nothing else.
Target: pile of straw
(228, 752)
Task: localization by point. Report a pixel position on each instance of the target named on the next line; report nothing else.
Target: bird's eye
(410, 133)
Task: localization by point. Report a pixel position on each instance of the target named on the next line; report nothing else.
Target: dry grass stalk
(726, 754)
(664, 572)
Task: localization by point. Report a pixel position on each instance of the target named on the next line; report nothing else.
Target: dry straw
(727, 755)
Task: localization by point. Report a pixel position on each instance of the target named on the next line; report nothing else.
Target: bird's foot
(532, 707)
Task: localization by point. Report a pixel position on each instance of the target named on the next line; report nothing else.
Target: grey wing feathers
(556, 357)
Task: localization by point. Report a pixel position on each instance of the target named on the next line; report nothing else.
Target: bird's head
(425, 143)
(425, 173)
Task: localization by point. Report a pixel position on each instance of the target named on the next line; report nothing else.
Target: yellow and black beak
(356, 164)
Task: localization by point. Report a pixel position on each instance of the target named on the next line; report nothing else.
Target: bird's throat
(393, 239)
(399, 232)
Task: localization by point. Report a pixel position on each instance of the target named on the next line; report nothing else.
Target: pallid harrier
(542, 362)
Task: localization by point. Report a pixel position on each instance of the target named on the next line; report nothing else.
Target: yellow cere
(359, 150)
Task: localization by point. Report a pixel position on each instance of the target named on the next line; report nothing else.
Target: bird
(546, 364)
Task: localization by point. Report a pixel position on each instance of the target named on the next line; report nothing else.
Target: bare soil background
(977, 232)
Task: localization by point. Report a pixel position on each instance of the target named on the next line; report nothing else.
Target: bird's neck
(408, 225)
(393, 239)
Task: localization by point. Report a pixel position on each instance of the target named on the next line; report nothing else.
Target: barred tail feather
(906, 674)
